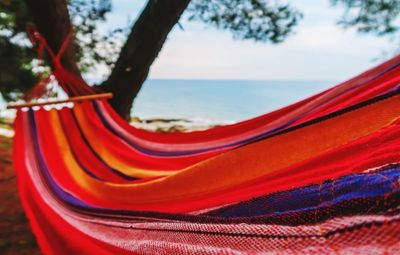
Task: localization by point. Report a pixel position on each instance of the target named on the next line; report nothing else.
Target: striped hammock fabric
(321, 176)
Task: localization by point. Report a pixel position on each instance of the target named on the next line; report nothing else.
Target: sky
(318, 50)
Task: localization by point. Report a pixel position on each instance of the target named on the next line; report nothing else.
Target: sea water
(215, 101)
(219, 101)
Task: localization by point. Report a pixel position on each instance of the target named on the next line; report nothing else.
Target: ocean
(211, 102)
(219, 101)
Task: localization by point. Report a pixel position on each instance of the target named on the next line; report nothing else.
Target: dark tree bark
(141, 49)
(52, 20)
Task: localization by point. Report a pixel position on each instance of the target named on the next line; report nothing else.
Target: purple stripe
(115, 171)
(34, 141)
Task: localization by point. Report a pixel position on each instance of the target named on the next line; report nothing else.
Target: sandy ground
(15, 235)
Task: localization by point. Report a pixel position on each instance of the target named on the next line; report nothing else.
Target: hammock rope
(70, 83)
(320, 176)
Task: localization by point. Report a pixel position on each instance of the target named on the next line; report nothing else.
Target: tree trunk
(52, 20)
(143, 44)
(141, 49)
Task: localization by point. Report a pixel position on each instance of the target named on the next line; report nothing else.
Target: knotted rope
(72, 84)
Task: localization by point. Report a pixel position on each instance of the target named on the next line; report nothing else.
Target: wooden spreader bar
(71, 99)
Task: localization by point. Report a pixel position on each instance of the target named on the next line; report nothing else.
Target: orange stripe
(243, 164)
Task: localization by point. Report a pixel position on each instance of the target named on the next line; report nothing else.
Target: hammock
(320, 176)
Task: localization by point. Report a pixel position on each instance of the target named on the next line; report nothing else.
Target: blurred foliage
(15, 57)
(15, 69)
(380, 17)
(94, 46)
(259, 20)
